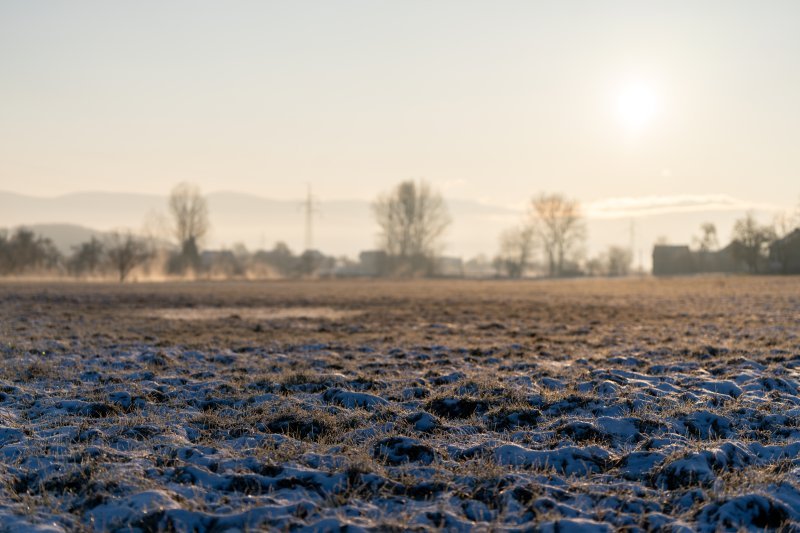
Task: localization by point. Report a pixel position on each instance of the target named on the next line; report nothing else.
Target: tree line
(550, 239)
(412, 219)
(174, 247)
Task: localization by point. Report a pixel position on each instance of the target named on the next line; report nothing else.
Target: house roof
(792, 236)
(671, 247)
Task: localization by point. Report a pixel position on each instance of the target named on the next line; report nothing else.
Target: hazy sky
(488, 100)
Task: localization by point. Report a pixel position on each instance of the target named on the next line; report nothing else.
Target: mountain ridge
(341, 227)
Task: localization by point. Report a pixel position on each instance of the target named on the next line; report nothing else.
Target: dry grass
(228, 412)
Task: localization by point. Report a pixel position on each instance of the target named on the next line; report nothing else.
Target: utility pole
(310, 208)
(632, 243)
(633, 247)
(641, 263)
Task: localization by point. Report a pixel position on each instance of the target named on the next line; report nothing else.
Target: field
(640, 404)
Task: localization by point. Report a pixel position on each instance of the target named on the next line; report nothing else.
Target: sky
(627, 106)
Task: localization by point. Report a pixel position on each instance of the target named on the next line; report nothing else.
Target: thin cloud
(454, 183)
(660, 205)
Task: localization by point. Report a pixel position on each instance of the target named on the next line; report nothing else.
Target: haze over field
(346, 227)
(632, 109)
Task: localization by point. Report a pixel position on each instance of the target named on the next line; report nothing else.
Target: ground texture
(344, 406)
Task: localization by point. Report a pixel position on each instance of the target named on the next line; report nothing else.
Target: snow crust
(143, 438)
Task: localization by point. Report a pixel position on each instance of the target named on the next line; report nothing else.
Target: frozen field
(645, 405)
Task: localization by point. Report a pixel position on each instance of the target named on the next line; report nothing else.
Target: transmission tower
(310, 209)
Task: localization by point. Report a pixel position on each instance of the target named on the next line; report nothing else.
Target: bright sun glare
(637, 104)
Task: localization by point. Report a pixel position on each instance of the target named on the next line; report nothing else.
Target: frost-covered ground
(643, 405)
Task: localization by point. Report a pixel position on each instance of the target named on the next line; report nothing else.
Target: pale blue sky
(489, 100)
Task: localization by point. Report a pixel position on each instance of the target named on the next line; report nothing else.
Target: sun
(637, 105)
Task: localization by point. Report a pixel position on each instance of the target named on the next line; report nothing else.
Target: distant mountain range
(341, 227)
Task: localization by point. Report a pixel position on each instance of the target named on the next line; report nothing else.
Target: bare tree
(596, 266)
(615, 261)
(751, 240)
(412, 219)
(707, 241)
(157, 228)
(560, 228)
(189, 211)
(86, 258)
(24, 252)
(125, 251)
(786, 222)
(280, 258)
(619, 261)
(516, 250)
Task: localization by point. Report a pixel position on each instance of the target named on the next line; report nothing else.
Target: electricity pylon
(310, 209)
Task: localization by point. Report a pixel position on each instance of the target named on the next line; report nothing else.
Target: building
(672, 260)
(726, 260)
(669, 260)
(449, 267)
(784, 254)
(373, 263)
